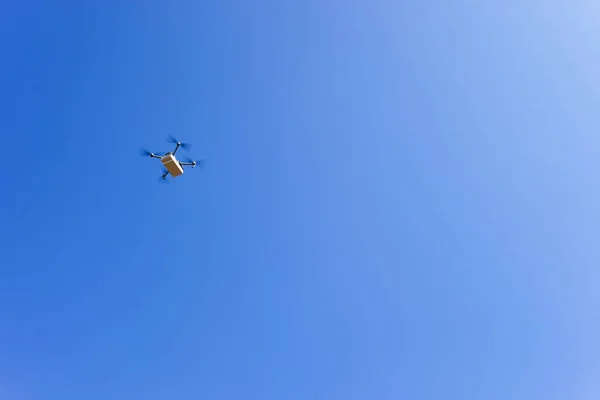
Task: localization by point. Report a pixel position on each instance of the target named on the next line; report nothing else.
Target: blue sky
(400, 200)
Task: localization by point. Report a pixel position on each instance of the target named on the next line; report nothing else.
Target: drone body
(171, 165)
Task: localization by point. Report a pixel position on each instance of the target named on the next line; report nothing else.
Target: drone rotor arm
(146, 153)
(193, 163)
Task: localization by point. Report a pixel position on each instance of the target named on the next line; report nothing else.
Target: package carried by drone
(172, 165)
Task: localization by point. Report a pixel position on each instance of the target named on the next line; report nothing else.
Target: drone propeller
(185, 146)
(146, 153)
(163, 178)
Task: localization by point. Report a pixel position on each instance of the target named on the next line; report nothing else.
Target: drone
(171, 165)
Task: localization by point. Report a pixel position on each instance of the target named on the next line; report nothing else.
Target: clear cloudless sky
(401, 200)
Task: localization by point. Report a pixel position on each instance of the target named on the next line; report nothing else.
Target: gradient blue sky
(400, 200)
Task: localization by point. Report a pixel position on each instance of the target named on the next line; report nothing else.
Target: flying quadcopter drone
(171, 165)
